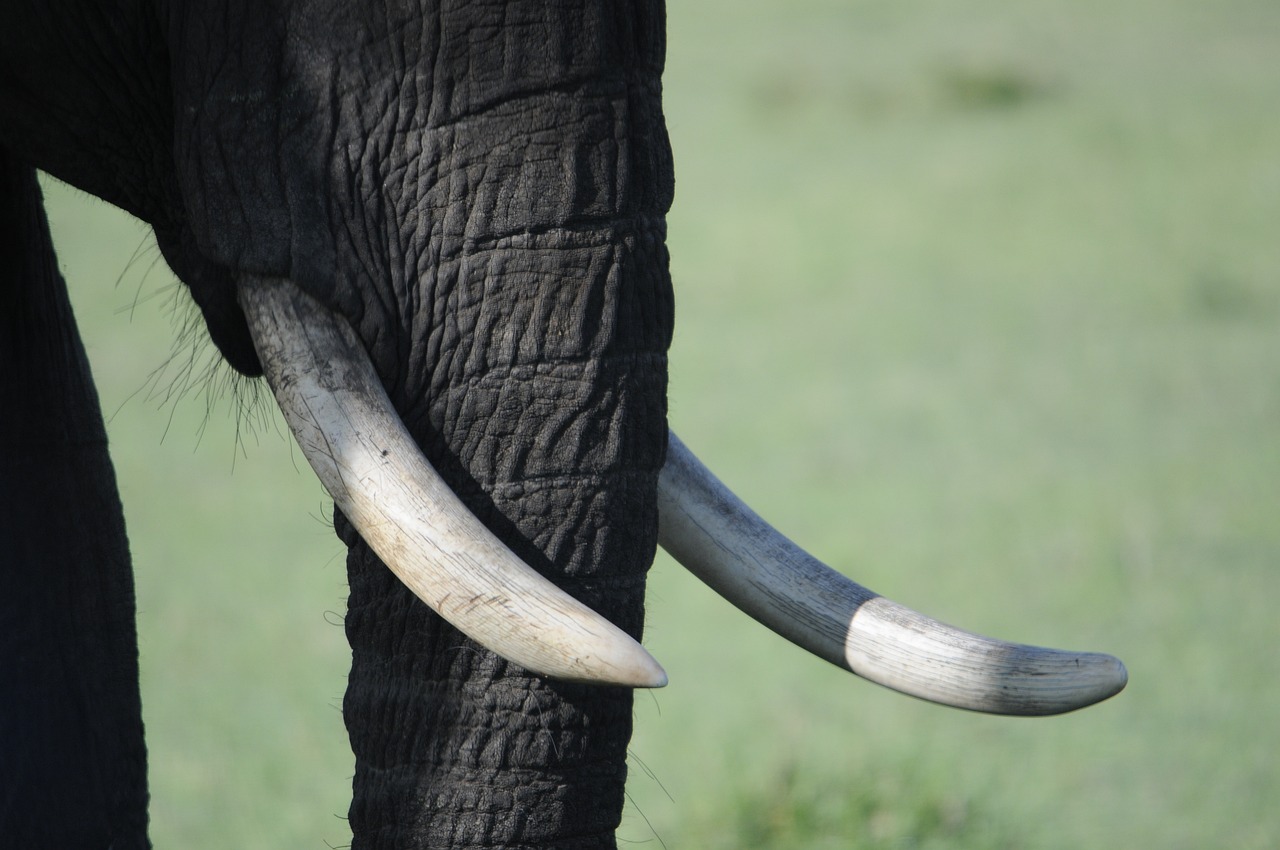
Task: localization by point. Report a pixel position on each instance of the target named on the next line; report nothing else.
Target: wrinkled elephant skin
(480, 191)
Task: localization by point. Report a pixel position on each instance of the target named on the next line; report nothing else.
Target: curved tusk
(377, 476)
(744, 559)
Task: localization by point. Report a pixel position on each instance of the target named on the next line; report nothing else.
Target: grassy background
(980, 302)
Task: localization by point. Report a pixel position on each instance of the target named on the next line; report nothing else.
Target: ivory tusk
(744, 559)
(356, 443)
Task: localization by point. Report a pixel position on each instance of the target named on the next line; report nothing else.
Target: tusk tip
(1088, 679)
(1110, 676)
(620, 661)
(658, 680)
(642, 671)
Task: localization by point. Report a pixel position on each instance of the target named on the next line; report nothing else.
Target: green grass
(980, 302)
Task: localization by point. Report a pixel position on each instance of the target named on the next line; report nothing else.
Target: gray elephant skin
(481, 191)
(478, 191)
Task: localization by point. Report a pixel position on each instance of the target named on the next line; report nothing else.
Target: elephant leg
(72, 757)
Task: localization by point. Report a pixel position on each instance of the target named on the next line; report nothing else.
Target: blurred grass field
(979, 302)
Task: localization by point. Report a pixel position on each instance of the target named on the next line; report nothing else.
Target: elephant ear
(356, 443)
(722, 541)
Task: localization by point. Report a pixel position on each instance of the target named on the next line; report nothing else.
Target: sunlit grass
(884, 806)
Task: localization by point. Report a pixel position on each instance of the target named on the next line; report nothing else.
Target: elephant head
(438, 231)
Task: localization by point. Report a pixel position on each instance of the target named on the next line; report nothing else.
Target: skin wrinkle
(536, 135)
(365, 259)
(604, 241)
(543, 371)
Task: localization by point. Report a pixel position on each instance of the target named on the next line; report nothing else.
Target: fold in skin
(354, 440)
(727, 545)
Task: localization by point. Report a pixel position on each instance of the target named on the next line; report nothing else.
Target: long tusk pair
(345, 424)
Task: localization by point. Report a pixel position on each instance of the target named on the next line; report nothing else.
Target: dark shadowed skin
(72, 761)
(481, 191)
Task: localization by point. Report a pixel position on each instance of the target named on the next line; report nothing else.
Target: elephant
(438, 231)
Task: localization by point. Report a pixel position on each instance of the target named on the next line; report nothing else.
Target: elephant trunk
(532, 374)
(559, 458)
